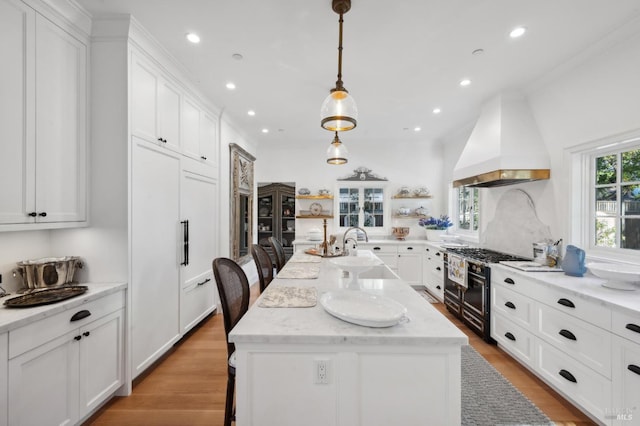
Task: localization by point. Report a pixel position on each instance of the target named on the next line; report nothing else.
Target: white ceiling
(401, 58)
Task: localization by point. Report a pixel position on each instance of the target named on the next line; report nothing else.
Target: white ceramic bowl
(618, 276)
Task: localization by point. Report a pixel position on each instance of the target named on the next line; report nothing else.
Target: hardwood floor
(187, 387)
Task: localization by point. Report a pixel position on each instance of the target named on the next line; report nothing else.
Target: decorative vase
(435, 234)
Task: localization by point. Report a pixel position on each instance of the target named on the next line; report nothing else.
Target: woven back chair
(264, 265)
(278, 251)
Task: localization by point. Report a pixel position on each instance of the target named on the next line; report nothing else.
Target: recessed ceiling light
(437, 110)
(265, 130)
(193, 38)
(231, 86)
(517, 32)
(416, 129)
(237, 56)
(251, 112)
(465, 82)
(477, 52)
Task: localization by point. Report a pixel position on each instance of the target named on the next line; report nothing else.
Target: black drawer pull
(438, 287)
(205, 281)
(566, 302)
(438, 268)
(438, 254)
(409, 248)
(509, 281)
(510, 305)
(376, 248)
(633, 327)
(565, 374)
(203, 157)
(633, 368)
(566, 333)
(80, 315)
(510, 336)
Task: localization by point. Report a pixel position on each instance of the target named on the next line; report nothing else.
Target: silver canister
(48, 271)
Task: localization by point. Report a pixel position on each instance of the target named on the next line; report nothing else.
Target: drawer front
(588, 344)
(37, 333)
(409, 248)
(196, 301)
(512, 305)
(626, 325)
(513, 281)
(578, 383)
(378, 248)
(513, 338)
(584, 309)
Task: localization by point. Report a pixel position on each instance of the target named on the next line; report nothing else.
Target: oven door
(452, 294)
(475, 295)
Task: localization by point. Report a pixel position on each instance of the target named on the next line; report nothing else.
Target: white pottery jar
(435, 234)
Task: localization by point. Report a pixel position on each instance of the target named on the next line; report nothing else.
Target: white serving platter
(362, 308)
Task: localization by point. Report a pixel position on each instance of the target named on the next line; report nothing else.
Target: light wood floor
(188, 386)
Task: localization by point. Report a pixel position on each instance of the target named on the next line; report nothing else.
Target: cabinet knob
(203, 157)
(438, 287)
(568, 376)
(77, 338)
(32, 214)
(438, 268)
(567, 334)
(438, 254)
(86, 333)
(42, 214)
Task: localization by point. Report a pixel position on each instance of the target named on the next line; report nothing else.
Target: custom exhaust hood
(505, 147)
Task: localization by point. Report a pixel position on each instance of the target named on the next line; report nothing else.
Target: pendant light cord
(339, 81)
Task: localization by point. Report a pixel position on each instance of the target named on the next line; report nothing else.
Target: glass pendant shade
(337, 152)
(339, 112)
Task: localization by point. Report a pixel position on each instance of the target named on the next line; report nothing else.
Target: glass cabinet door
(373, 208)
(361, 206)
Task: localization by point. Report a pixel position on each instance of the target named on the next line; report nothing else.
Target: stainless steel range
(469, 297)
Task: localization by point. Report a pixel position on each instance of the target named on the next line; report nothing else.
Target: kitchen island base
(347, 385)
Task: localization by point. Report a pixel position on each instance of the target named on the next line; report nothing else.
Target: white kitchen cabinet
(199, 211)
(410, 263)
(4, 379)
(388, 253)
(199, 132)
(43, 114)
(156, 232)
(155, 104)
(626, 380)
(69, 366)
(433, 271)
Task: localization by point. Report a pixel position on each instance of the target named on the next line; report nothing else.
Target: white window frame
(581, 197)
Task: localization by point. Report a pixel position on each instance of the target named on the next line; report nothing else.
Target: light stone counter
(586, 287)
(303, 366)
(12, 318)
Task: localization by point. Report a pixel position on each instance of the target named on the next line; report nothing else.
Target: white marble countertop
(315, 326)
(12, 318)
(588, 286)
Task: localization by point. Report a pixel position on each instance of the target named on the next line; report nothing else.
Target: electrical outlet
(321, 367)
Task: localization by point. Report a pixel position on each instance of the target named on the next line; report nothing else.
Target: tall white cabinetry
(43, 115)
(168, 204)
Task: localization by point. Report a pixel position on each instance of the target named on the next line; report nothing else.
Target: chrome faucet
(344, 237)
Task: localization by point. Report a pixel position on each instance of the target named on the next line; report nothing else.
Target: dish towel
(299, 271)
(457, 269)
(289, 297)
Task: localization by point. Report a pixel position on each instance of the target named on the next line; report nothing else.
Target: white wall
(412, 165)
(595, 95)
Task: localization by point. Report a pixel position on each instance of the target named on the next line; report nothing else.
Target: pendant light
(339, 111)
(337, 152)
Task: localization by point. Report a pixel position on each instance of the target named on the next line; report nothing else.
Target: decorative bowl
(400, 232)
(618, 276)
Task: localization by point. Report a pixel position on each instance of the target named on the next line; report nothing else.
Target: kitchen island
(303, 366)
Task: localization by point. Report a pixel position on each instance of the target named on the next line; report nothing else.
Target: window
(361, 206)
(615, 211)
(467, 209)
(604, 197)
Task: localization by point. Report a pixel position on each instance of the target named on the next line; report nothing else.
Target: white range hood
(505, 146)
